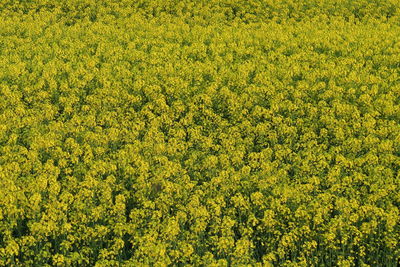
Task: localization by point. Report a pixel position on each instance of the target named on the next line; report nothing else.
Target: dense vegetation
(213, 133)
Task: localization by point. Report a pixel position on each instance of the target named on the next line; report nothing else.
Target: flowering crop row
(199, 133)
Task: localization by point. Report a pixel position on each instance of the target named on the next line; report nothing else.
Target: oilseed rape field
(200, 133)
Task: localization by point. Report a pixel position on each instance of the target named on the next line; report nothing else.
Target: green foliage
(199, 133)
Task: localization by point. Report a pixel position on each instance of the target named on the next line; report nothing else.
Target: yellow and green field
(200, 133)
